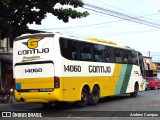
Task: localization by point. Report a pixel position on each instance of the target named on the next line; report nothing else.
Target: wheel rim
(84, 97)
(136, 89)
(96, 97)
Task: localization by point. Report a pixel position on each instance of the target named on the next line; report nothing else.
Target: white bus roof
(92, 40)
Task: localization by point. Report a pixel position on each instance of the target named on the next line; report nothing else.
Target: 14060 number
(35, 70)
(72, 68)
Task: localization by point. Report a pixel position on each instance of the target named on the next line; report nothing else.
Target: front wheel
(84, 98)
(136, 89)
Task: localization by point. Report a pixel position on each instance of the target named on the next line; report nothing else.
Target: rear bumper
(38, 97)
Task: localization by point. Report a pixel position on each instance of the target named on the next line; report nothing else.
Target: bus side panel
(109, 85)
(128, 76)
(120, 80)
(73, 86)
(135, 77)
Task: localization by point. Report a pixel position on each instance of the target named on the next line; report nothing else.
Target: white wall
(5, 46)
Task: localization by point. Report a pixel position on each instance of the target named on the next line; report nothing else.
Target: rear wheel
(94, 97)
(84, 98)
(136, 89)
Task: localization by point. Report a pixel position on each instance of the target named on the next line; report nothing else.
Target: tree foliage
(16, 14)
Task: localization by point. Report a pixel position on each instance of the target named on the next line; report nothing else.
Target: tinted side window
(98, 53)
(118, 55)
(65, 47)
(70, 49)
(76, 50)
(134, 57)
(127, 57)
(108, 55)
(85, 49)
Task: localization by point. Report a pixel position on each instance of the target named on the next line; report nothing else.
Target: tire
(136, 89)
(94, 97)
(84, 98)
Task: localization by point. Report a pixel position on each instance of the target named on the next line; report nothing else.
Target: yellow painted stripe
(121, 78)
(116, 74)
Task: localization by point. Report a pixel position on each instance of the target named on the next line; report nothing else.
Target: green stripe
(126, 78)
(121, 79)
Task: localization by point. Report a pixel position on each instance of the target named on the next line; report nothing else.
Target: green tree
(16, 14)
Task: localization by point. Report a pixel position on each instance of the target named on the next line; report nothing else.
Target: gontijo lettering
(33, 51)
(99, 69)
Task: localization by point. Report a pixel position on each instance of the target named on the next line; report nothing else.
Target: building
(157, 68)
(6, 70)
(147, 63)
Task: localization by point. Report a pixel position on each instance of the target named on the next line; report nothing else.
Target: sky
(100, 25)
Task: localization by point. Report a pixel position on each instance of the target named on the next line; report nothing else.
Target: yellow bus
(52, 67)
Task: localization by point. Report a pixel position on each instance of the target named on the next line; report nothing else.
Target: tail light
(56, 82)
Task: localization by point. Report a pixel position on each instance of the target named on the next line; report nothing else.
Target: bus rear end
(34, 69)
